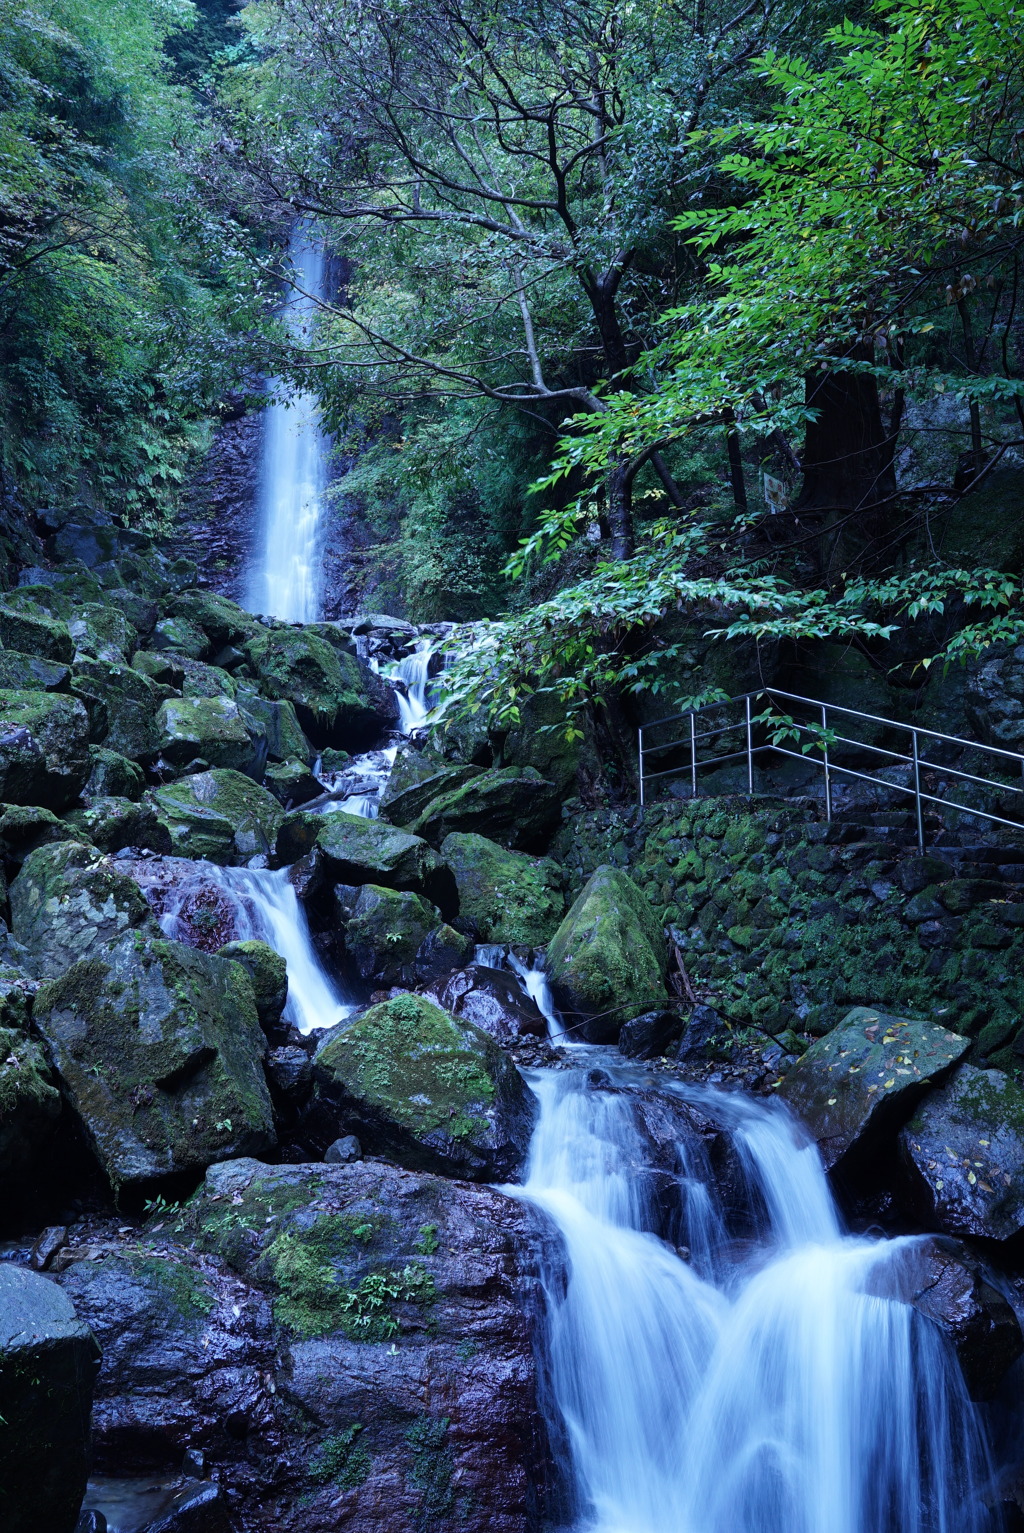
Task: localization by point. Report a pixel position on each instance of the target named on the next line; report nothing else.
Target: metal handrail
(820, 733)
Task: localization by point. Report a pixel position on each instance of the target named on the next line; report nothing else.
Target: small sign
(776, 494)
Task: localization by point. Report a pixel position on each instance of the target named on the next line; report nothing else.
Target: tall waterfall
(778, 1386)
(285, 581)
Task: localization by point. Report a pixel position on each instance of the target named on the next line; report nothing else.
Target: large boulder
(222, 621)
(212, 729)
(115, 823)
(346, 1345)
(44, 748)
(861, 1082)
(99, 632)
(385, 931)
(338, 699)
(355, 850)
(963, 1155)
(430, 1092)
(509, 898)
(112, 775)
(122, 704)
(48, 1363)
(70, 902)
(268, 974)
(544, 739)
(418, 777)
(280, 723)
(160, 1051)
(30, 673)
(607, 961)
(493, 1001)
(221, 815)
(28, 628)
(29, 1099)
(513, 805)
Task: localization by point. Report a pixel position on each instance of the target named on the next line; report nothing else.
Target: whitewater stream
(776, 1384)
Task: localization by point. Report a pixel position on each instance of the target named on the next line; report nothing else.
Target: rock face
(69, 902)
(430, 1092)
(268, 974)
(159, 1050)
(963, 1154)
(346, 1344)
(995, 699)
(493, 1001)
(48, 1361)
(359, 851)
(44, 748)
(507, 897)
(513, 805)
(220, 815)
(607, 961)
(862, 1080)
(416, 779)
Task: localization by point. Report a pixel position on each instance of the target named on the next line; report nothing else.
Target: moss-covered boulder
(112, 775)
(220, 815)
(508, 897)
(385, 932)
(113, 823)
(23, 827)
(194, 678)
(31, 673)
(71, 902)
(26, 627)
(416, 779)
(427, 1091)
(539, 740)
(101, 632)
(221, 620)
(48, 1365)
(292, 784)
(858, 1085)
(963, 1156)
(268, 974)
(122, 705)
(44, 748)
(29, 1098)
(360, 851)
(338, 699)
(160, 1052)
(280, 723)
(607, 961)
(513, 805)
(211, 729)
(180, 638)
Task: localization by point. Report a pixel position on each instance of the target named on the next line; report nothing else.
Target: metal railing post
(828, 774)
(750, 754)
(917, 792)
(640, 751)
(693, 752)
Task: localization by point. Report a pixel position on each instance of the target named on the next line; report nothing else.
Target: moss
(312, 1302)
(508, 897)
(342, 1460)
(432, 1470)
(181, 1286)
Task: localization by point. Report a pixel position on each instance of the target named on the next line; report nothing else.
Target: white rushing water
(788, 1389)
(264, 906)
(414, 701)
(286, 579)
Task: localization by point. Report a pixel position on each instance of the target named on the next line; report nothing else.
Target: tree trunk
(618, 489)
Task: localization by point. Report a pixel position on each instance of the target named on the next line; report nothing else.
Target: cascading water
(792, 1390)
(413, 701)
(285, 582)
(264, 906)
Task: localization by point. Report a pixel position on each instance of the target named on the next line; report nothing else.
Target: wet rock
(114, 823)
(160, 1051)
(290, 1071)
(31, 673)
(100, 632)
(424, 1089)
(222, 621)
(384, 933)
(23, 827)
(963, 1156)
(213, 728)
(268, 974)
(649, 1035)
(360, 851)
(71, 902)
(338, 699)
(418, 777)
(442, 950)
(44, 748)
(220, 815)
(994, 699)
(861, 1082)
(494, 1002)
(122, 704)
(954, 1290)
(704, 1031)
(280, 723)
(95, 543)
(606, 963)
(47, 1243)
(292, 784)
(343, 1151)
(48, 1361)
(112, 775)
(30, 630)
(30, 1103)
(509, 898)
(513, 805)
(178, 636)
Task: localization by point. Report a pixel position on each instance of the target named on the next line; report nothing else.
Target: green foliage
(313, 1302)
(341, 1459)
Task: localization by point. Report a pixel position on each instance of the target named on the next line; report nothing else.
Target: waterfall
(285, 581)
(788, 1389)
(263, 905)
(413, 703)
